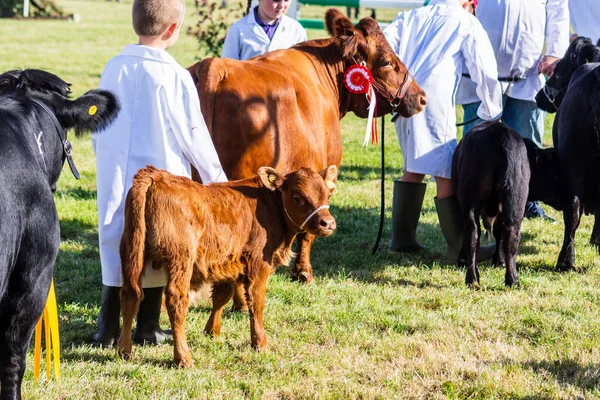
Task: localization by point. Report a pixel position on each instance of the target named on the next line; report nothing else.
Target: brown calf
(221, 233)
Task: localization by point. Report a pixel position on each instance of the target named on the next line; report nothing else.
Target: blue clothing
(269, 29)
(521, 115)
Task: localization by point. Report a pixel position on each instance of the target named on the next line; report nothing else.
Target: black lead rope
(382, 210)
(66, 145)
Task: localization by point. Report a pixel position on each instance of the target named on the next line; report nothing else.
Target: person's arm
(481, 64)
(192, 136)
(557, 34)
(232, 47)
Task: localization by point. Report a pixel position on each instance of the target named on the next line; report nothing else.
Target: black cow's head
(580, 51)
(365, 43)
(91, 112)
(544, 184)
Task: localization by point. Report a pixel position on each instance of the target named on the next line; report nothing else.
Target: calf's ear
(270, 178)
(93, 111)
(329, 175)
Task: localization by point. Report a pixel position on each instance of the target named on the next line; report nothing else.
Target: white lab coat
(585, 18)
(246, 38)
(160, 123)
(518, 30)
(435, 42)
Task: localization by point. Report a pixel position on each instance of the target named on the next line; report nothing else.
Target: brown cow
(283, 109)
(222, 233)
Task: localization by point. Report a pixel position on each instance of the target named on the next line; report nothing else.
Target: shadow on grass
(568, 372)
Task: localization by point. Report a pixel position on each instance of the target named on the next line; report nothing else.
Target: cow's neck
(330, 60)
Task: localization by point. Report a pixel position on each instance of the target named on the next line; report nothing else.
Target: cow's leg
(21, 308)
(572, 216)
(177, 300)
(256, 288)
(130, 304)
(239, 298)
(499, 258)
(302, 269)
(222, 293)
(510, 240)
(469, 246)
(595, 239)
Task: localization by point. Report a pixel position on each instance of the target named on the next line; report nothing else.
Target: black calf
(495, 172)
(35, 111)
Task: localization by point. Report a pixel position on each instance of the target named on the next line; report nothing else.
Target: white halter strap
(312, 214)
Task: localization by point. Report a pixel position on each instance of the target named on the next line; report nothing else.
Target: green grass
(372, 327)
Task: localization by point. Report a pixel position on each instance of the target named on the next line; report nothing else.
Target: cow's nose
(327, 223)
(423, 100)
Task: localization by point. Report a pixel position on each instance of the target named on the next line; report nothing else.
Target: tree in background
(214, 19)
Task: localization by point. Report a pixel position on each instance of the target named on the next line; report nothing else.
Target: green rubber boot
(406, 210)
(450, 218)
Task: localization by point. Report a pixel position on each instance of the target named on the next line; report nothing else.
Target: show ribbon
(358, 80)
(50, 317)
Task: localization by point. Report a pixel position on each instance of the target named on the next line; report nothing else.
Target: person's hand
(547, 65)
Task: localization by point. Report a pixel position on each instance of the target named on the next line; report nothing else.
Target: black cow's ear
(270, 178)
(93, 111)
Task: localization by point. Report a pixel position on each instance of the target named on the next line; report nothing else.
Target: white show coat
(160, 123)
(585, 18)
(435, 42)
(518, 30)
(246, 38)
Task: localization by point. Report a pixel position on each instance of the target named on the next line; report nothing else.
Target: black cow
(35, 111)
(495, 172)
(573, 92)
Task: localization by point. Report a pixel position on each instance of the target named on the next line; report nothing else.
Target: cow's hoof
(124, 354)
(474, 286)
(561, 267)
(303, 277)
(184, 363)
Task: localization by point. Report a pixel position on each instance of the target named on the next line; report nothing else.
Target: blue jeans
(521, 115)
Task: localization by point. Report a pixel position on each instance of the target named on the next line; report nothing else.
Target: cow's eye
(297, 200)
(386, 63)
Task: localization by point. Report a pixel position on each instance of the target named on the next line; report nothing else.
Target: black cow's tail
(133, 241)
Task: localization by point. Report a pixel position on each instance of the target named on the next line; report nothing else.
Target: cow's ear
(270, 178)
(93, 111)
(339, 26)
(329, 175)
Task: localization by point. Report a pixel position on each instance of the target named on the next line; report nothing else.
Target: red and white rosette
(358, 79)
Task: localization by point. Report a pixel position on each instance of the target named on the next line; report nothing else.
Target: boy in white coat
(160, 123)
(435, 42)
(264, 28)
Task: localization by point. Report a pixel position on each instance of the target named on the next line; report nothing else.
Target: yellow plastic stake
(50, 316)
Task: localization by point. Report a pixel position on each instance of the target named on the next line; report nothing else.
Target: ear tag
(587, 61)
(272, 178)
(329, 184)
(92, 110)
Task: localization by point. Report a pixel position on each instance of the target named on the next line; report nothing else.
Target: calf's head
(305, 197)
(580, 52)
(545, 183)
(365, 44)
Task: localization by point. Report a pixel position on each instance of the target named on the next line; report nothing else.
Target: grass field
(371, 327)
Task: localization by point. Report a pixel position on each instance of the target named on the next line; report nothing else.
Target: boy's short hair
(153, 17)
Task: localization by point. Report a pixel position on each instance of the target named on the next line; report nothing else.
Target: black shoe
(534, 210)
(148, 330)
(108, 319)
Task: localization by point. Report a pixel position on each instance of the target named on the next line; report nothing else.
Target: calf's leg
(256, 289)
(511, 238)
(595, 239)
(239, 298)
(222, 293)
(302, 270)
(177, 300)
(130, 304)
(499, 258)
(469, 247)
